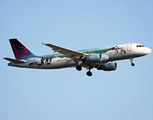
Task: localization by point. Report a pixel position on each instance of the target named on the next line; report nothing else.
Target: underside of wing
(14, 60)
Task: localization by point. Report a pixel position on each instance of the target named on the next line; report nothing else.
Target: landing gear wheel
(132, 64)
(89, 73)
(79, 68)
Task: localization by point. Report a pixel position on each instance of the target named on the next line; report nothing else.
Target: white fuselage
(119, 52)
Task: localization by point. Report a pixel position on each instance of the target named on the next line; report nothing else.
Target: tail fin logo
(20, 51)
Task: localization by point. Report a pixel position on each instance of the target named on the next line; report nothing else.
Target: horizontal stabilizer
(14, 60)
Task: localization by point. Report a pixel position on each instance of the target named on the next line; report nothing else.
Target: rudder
(19, 50)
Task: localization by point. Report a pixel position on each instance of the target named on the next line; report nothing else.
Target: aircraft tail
(19, 50)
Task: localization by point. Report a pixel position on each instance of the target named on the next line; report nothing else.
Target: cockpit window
(140, 46)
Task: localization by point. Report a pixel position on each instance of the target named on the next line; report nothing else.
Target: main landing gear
(89, 73)
(132, 64)
(79, 68)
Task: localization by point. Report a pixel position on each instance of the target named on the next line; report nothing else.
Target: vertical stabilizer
(19, 50)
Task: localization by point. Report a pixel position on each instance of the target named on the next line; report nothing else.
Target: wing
(14, 60)
(74, 55)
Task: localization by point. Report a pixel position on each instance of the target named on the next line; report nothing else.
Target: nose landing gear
(132, 64)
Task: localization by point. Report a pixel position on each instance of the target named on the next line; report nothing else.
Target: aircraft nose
(148, 50)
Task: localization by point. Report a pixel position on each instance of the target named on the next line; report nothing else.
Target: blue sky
(67, 94)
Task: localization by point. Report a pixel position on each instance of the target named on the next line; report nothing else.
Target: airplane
(100, 58)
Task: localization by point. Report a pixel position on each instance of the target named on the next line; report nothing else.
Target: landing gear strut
(132, 64)
(79, 68)
(89, 73)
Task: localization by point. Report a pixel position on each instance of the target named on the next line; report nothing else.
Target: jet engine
(108, 66)
(96, 57)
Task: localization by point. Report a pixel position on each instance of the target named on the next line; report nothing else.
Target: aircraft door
(129, 47)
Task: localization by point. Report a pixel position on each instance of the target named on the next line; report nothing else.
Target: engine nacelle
(108, 66)
(97, 57)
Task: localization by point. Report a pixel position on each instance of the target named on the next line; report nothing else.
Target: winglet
(42, 43)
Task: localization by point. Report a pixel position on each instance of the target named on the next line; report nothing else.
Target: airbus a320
(100, 58)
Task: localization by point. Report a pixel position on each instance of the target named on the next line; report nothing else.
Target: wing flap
(14, 60)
